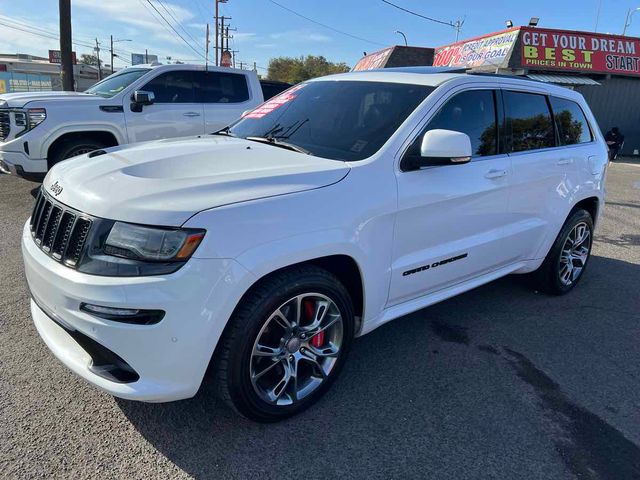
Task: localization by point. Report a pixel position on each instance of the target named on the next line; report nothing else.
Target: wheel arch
(105, 134)
(590, 204)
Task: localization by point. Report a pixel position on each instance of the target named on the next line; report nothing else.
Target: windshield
(341, 120)
(114, 84)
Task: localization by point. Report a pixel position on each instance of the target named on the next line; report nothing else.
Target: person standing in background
(615, 140)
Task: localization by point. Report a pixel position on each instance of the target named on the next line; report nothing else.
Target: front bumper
(169, 357)
(18, 163)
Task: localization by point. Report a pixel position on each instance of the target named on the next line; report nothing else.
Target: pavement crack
(590, 447)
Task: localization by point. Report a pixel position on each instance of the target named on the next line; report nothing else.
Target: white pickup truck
(145, 102)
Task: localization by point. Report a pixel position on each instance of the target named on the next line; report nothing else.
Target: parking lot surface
(501, 382)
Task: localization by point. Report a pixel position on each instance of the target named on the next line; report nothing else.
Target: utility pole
(98, 56)
(66, 55)
(146, 55)
(111, 51)
(217, 19)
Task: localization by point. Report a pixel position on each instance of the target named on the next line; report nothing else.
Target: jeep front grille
(59, 231)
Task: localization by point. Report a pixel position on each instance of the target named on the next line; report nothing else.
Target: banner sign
(142, 58)
(579, 51)
(487, 51)
(373, 60)
(11, 82)
(55, 57)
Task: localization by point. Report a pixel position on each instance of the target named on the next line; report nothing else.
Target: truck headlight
(139, 242)
(36, 116)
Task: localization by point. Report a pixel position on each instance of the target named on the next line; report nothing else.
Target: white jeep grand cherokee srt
(343, 203)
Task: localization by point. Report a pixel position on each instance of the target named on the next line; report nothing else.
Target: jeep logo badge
(56, 189)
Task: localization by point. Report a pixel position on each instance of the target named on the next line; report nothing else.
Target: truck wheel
(285, 344)
(73, 148)
(567, 260)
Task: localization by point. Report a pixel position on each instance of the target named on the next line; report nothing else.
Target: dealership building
(604, 68)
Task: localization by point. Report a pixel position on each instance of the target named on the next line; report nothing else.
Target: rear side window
(221, 87)
(472, 112)
(571, 122)
(172, 87)
(528, 122)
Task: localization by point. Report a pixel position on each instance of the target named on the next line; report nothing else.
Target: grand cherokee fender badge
(56, 188)
(434, 264)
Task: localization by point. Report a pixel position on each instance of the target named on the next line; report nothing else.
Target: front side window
(529, 124)
(472, 112)
(571, 122)
(114, 84)
(341, 120)
(220, 87)
(172, 87)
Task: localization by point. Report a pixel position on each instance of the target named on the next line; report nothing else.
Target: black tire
(547, 277)
(73, 148)
(231, 362)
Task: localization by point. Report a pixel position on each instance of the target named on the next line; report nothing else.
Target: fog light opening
(124, 315)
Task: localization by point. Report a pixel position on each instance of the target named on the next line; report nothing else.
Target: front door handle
(191, 114)
(491, 174)
(565, 161)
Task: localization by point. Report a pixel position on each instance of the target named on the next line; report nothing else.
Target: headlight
(152, 244)
(36, 116)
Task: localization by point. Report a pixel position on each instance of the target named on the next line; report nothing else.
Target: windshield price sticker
(275, 102)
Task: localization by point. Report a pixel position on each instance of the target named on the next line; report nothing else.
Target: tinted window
(571, 122)
(472, 112)
(342, 120)
(218, 87)
(529, 124)
(271, 89)
(172, 87)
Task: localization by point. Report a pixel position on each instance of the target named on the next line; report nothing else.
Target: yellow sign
(3, 86)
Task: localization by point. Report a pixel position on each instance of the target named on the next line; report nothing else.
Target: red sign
(373, 60)
(544, 49)
(54, 57)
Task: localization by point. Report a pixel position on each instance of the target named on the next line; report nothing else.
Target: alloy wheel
(575, 254)
(296, 349)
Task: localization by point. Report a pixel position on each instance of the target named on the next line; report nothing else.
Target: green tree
(87, 59)
(296, 70)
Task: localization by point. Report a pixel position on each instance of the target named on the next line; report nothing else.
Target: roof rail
(503, 75)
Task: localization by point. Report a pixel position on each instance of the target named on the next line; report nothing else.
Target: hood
(19, 100)
(168, 181)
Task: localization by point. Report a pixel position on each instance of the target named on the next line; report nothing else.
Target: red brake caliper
(309, 311)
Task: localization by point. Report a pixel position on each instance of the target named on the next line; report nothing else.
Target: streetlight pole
(111, 49)
(627, 22)
(403, 36)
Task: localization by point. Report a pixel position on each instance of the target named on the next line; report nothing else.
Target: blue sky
(266, 30)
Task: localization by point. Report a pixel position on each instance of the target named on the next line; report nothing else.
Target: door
(224, 97)
(450, 219)
(174, 113)
(543, 165)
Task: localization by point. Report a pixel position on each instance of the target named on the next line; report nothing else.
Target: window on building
(172, 87)
(472, 112)
(571, 122)
(221, 87)
(529, 124)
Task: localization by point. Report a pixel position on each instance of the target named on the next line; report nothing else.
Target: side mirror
(440, 147)
(142, 97)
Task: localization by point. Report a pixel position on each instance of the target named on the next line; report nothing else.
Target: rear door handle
(495, 174)
(565, 161)
(191, 114)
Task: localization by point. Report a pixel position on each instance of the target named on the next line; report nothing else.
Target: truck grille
(59, 231)
(5, 124)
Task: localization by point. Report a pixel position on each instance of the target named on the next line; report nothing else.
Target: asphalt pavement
(501, 382)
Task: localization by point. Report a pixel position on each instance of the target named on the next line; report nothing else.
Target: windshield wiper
(279, 143)
(226, 131)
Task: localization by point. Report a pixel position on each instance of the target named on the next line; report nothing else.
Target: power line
(326, 26)
(171, 14)
(450, 24)
(173, 29)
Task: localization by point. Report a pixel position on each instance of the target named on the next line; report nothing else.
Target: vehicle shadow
(434, 394)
